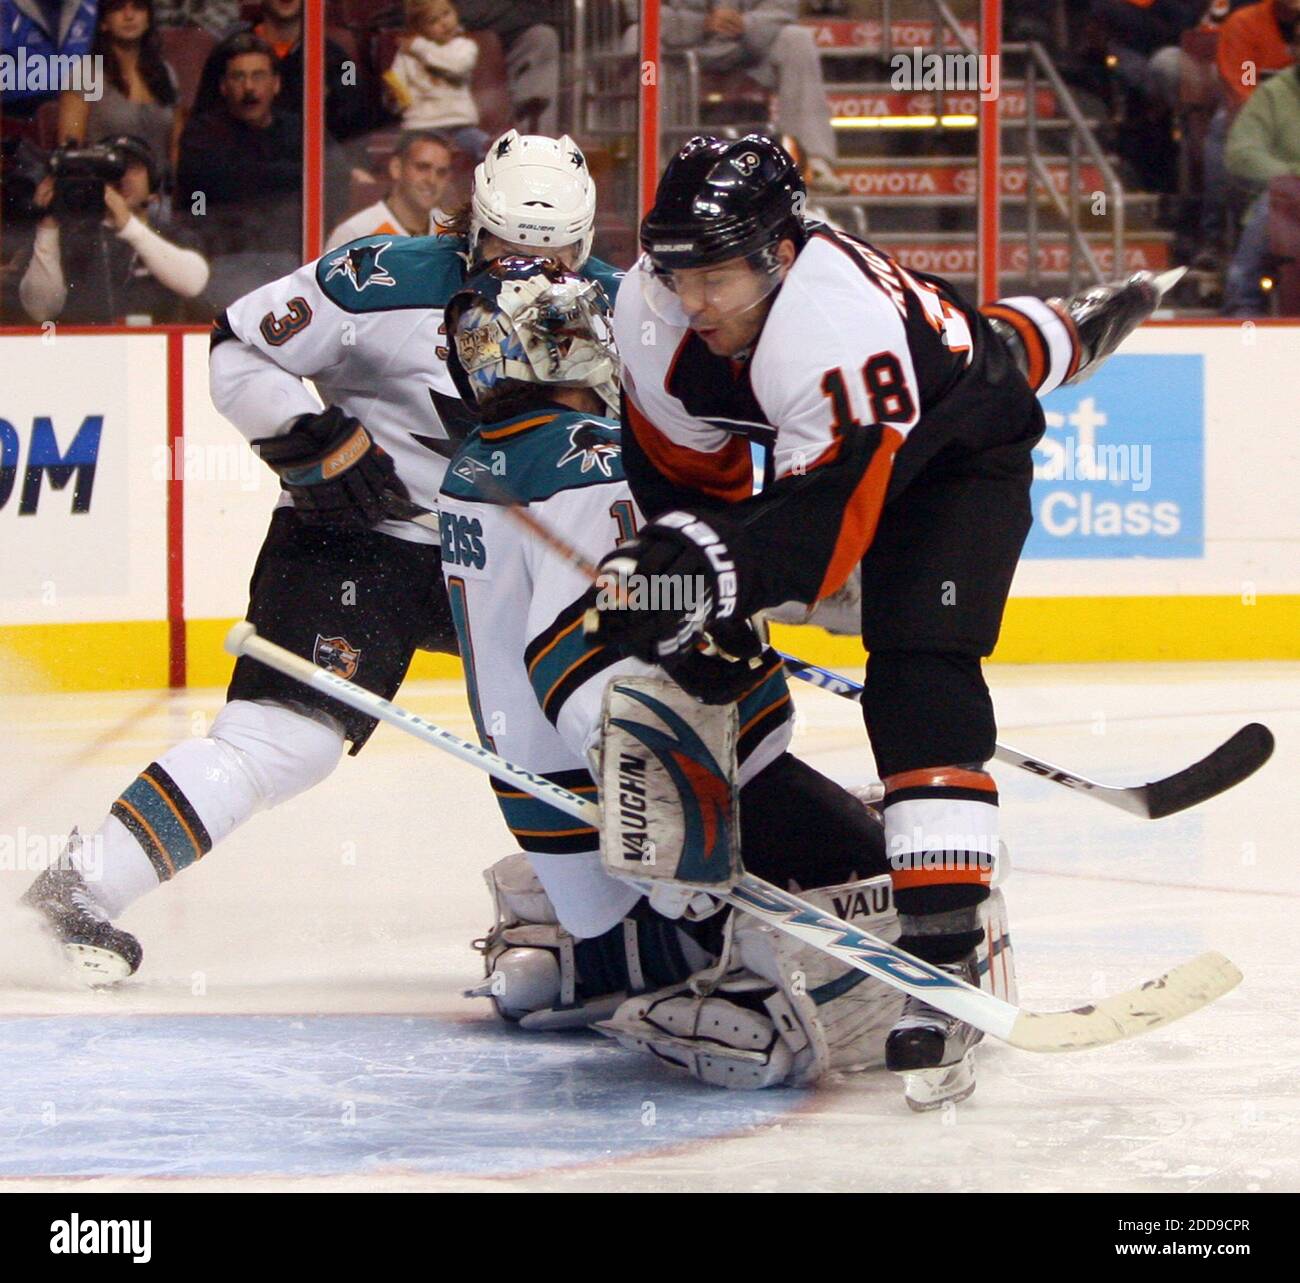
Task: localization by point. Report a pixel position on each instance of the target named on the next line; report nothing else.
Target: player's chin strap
(1178, 992)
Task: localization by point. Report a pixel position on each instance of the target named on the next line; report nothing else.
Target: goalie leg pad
(669, 786)
(540, 976)
(773, 1010)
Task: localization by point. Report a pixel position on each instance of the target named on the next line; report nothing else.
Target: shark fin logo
(591, 447)
(361, 266)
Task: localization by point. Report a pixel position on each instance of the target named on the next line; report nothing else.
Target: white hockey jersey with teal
(364, 324)
(535, 681)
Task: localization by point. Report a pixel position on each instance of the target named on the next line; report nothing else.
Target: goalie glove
(334, 470)
(659, 593)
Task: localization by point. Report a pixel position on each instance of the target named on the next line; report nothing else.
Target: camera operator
(96, 259)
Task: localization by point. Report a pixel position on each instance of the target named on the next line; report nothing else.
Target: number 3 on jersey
(887, 391)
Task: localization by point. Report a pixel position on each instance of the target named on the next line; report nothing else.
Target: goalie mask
(531, 320)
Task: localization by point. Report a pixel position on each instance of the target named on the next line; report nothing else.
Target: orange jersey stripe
(514, 429)
(551, 645)
(905, 879)
(1076, 348)
(763, 712)
(1035, 352)
(862, 513)
(725, 474)
(956, 777)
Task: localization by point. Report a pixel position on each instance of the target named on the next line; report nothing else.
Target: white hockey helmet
(534, 192)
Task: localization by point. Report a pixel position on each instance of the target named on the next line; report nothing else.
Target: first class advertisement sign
(1120, 471)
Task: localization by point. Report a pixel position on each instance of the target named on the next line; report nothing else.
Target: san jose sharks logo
(361, 266)
(588, 444)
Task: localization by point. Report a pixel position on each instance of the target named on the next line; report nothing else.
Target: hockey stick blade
(1177, 993)
(1158, 1002)
(1233, 761)
(1236, 759)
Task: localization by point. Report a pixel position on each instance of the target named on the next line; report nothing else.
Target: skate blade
(927, 1089)
(96, 967)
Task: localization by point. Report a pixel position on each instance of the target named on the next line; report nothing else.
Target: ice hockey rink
(297, 1021)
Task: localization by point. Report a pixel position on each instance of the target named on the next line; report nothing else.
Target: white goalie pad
(668, 786)
(775, 1011)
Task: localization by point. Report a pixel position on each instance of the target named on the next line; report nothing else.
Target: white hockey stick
(1176, 993)
(1237, 758)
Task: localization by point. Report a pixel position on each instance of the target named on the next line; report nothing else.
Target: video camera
(80, 175)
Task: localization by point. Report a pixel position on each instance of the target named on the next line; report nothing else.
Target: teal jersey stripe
(460, 618)
(548, 673)
(538, 826)
(144, 797)
(565, 451)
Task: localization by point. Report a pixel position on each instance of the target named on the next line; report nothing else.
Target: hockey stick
(1236, 759)
(1178, 992)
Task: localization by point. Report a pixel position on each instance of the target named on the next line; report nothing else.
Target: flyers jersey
(862, 373)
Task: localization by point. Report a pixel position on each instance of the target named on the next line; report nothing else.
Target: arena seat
(186, 49)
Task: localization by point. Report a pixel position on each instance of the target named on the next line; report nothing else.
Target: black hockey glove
(658, 593)
(724, 668)
(334, 470)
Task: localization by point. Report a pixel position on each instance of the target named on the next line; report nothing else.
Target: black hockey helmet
(723, 198)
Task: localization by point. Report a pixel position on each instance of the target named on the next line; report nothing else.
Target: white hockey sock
(198, 792)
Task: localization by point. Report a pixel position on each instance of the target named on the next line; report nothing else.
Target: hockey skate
(101, 953)
(933, 1050)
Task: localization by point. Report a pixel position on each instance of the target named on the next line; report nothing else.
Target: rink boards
(131, 512)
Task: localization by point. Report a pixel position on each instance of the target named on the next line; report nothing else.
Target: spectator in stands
(1254, 42)
(419, 169)
(220, 17)
(763, 38)
(351, 100)
(139, 94)
(240, 172)
(532, 50)
(1263, 144)
(97, 270)
(1143, 38)
(430, 75)
(42, 29)
(1142, 42)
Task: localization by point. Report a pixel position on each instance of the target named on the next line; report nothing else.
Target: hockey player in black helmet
(797, 404)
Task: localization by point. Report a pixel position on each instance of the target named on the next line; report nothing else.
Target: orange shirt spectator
(1254, 40)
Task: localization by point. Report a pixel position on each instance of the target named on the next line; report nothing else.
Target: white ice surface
(297, 1020)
